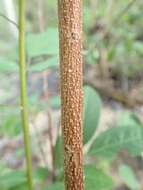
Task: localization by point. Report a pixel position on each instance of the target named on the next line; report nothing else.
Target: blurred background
(113, 75)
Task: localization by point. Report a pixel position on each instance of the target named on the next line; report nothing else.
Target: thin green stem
(23, 89)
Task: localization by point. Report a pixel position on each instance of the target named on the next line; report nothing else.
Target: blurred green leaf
(111, 53)
(55, 101)
(92, 109)
(41, 173)
(115, 139)
(45, 43)
(42, 66)
(58, 154)
(128, 177)
(56, 186)
(87, 17)
(19, 187)
(11, 126)
(96, 179)
(128, 119)
(92, 56)
(33, 99)
(7, 65)
(138, 47)
(12, 179)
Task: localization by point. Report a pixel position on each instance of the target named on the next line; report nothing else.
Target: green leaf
(138, 46)
(58, 154)
(92, 108)
(20, 187)
(43, 43)
(96, 179)
(11, 126)
(111, 53)
(55, 101)
(87, 17)
(42, 66)
(128, 177)
(128, 119)
(41, 173)
(55, 186)
(12, 179)
(92, 56)
(7, 65)
(110, 142)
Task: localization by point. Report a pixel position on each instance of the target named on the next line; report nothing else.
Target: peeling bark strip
(70, 31)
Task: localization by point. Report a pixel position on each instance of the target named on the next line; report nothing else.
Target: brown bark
(70, 30)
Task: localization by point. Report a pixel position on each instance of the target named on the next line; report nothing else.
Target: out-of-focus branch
(39, 142)
(115, 22)
(9, 20)
(50, 133)
(119, 16)
(10, 13)
(124, 11)
(105, 88)
(41, 16)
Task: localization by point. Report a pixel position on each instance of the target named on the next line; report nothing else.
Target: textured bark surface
(70, 30)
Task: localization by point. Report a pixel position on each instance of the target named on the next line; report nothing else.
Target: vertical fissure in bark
(70, 32)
